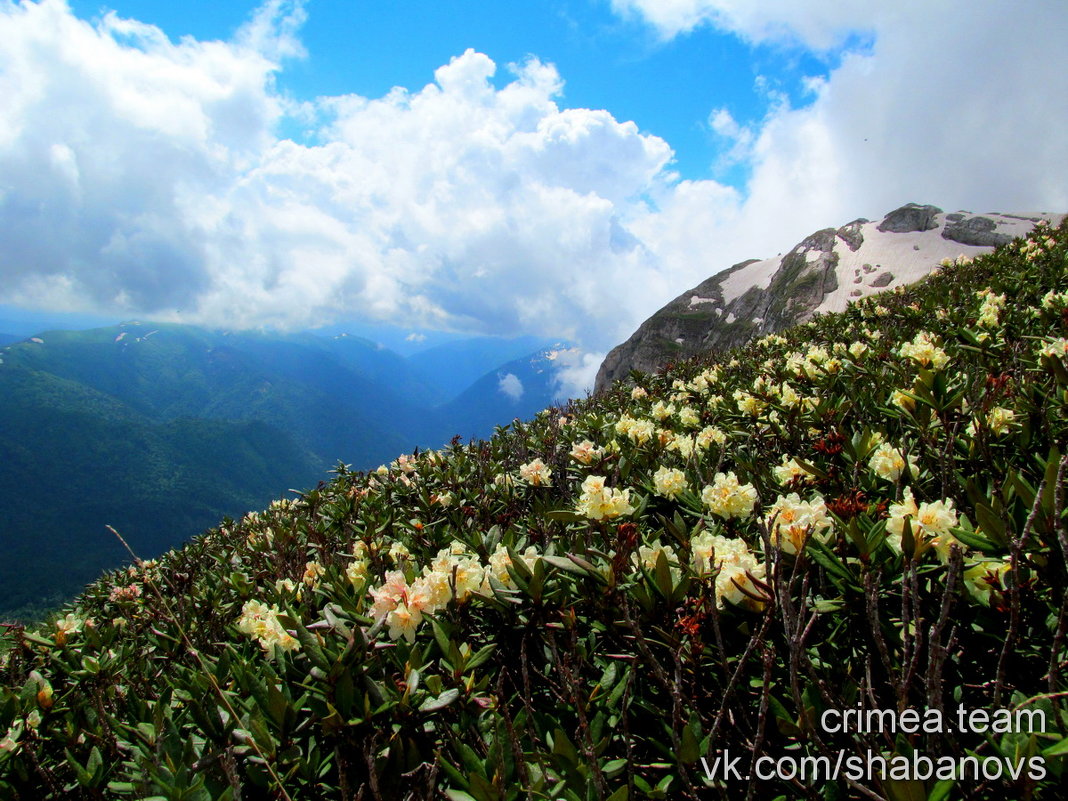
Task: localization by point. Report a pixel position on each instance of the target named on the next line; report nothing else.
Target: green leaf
(663, 576)
(562, 746)
(480, 656)
(941, 790)
(990, 524)
(974, 540)
(1057, 749)
(564, 563)
(689, 748)
(441, 701)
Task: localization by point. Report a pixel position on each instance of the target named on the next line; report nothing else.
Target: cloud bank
(144, 176)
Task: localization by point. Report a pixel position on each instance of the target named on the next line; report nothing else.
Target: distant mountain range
(161, 430)
(822, 273)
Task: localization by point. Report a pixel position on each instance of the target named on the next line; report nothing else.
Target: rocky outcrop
(910, 217)
(979, 231)
(824, 272)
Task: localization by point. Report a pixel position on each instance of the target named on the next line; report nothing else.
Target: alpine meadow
(829, 564)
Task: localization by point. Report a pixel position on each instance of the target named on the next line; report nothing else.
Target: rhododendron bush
(866, 512)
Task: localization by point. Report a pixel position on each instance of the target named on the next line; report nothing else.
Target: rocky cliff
(823, 272)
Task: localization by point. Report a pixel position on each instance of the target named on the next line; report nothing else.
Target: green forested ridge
(864, 512)
(161, 430)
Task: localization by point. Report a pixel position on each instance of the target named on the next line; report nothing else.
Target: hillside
(824, 272)
(162, 430)
(865, 513)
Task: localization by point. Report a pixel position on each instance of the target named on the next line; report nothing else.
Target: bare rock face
(910, 217)
(823, 272)
(979, 231)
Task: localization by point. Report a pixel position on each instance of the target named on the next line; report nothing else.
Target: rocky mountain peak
(823, 272)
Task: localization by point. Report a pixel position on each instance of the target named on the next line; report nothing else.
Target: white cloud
(510, 385)
(961, 106)
(818, 24)
(146, 177)
(574, 372)
(415, 336)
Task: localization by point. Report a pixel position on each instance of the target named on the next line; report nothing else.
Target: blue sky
(668, 87)
(558, 169)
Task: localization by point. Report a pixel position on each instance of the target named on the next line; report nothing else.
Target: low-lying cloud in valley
(144, 176)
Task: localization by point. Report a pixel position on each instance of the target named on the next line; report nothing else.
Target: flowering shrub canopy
(866, 511)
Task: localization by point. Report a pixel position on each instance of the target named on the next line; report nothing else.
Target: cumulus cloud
(141, 175)
(574, 372)
(951, 103)
(510, 385)
(817, 24)
(144, 176)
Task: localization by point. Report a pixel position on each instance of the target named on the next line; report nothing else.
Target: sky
(559, 168)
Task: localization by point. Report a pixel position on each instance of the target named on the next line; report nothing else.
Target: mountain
(517, 389)
(454, 366)
(822, 273)
(76, 460)
(830, 564)
(161, 429)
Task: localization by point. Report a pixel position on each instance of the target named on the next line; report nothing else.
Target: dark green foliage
(161, 430)
(588, 645)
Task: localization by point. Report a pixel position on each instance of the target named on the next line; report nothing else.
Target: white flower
(727, 497)
(734, 565)
(598, 502)
(537, 474)
(889, 463)
(669, 482)
(403, 621)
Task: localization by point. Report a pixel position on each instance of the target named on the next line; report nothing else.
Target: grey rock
(980, 231)
(851, 234)
(910, 217)
(799, 285)
(796, 288)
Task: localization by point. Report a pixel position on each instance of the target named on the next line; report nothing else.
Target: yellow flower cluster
(889, 462)
(599, 502)
(669, 482)
(640, 431)
(930, 524)
(537, 474)
(924, 351)
(789, 470)
(734, 566)
(990, 311)
(1054, 348)
(585, 452)
(727, 497)
(792, 521)
(261, 621)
